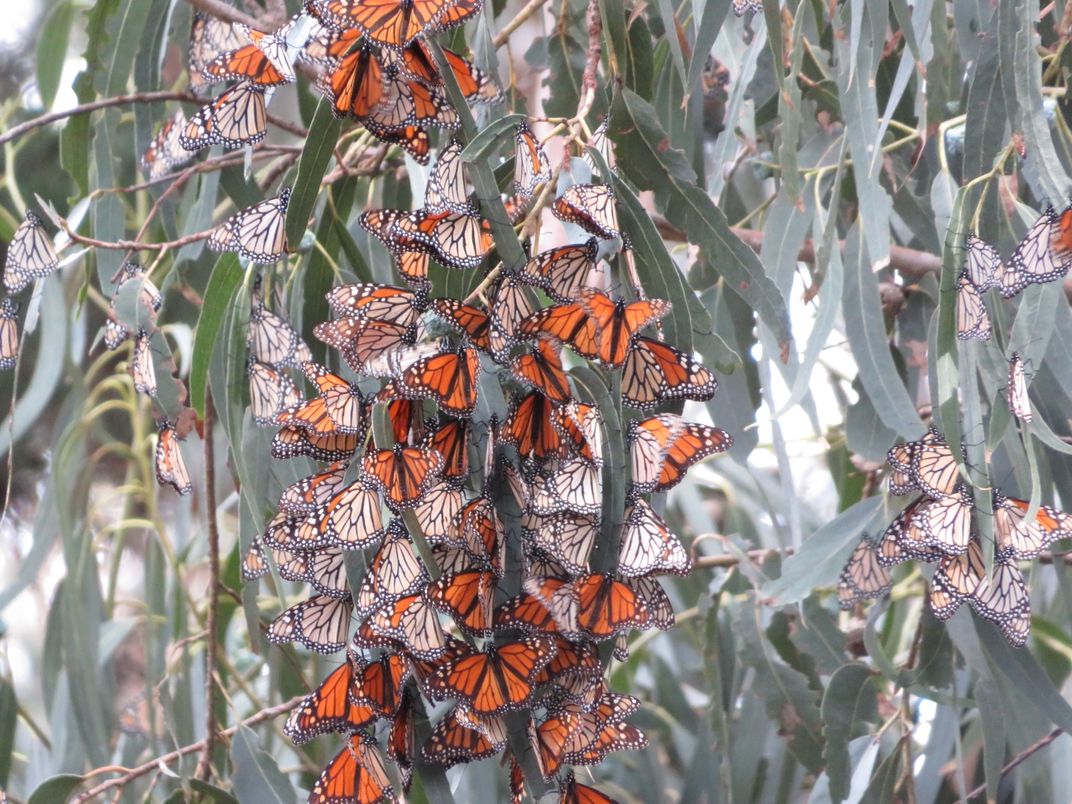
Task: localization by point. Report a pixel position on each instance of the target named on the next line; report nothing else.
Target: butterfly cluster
(1044, 255)
(455, 605)
(939, 527)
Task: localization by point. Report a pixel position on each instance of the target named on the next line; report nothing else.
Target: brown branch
(1027, 753)
(92, 106)
(166, 759)
(133, 245)
(531, 8)
(204, 764)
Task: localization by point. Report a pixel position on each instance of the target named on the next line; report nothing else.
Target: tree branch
(166, 759)
(1027, 753)
(531, 8)
(92, 106)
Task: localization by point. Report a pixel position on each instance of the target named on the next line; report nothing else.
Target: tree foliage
(798, 182)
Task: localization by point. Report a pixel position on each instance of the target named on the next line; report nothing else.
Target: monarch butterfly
(402, 740)
(467, 597)
(447, 190)
(356, 774)
(354, 84)
(581, 429)
(592, 207)
(30, 255)
(379, 683)
(573, 485)
(599, 732)
(165, 153)
(412, 621)
(293, 566)
(387, 303)
(955, 580)
(452, 442)
(1016, 389)
(572, 791)
(394, 23)
(293, 442)
(616, 323)
(661, 610)
(412, 139)
(1044, 254)
(270, 391)
(450, 378)
(510, 303)
(548, 740)
(573, 660)
(326, 44)
(407, 101)
(664, 447)
(480, 533)
(329, 708)
(438, 510)
(542, 369)
(566, 536)
(403, 474)
(262, 62)
(142, 368)
(456, 739)
(1005, 602)
(373, 348)
(560, 272)
(901, 482)
(237, 117)
(595, 606)
(973, 320)
(648, 546)
(531, 165)
(343, 402)
(306, 495)
(474, 83)
(169, 464)
(209, 37)
(295, 535)
(905, 539)
(863, 576)
(257, 233)
(272, 340)
(320, 624)
(983, 263)
(1024, 540)
(115, 331)
(600, 143)
(496, 680)
(655, 372)
(325, 571)
(9, 333)
(567, 323)
(529, 427)
(424, 669)
(254, 562)
(933, 467)
(473, 322)
(530, 611)
(946, 523)
(394, 572)
(454, 239)
(351, 519)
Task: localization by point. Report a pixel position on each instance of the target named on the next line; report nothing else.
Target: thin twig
(92, 106)
(133, 245)
(504, 35)
(1027, 753)
(204, 765)
(166, 759)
